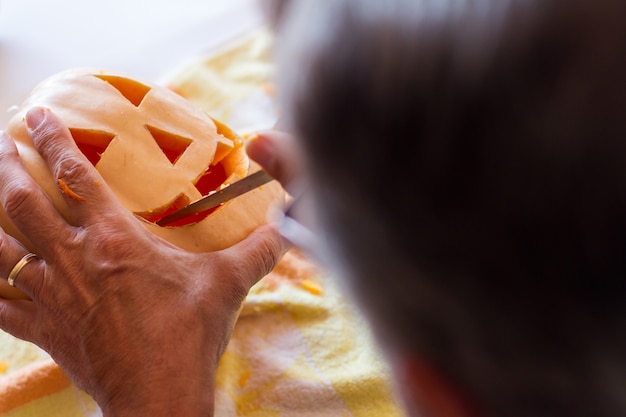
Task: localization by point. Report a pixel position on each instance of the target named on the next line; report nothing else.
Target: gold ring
(19, 266)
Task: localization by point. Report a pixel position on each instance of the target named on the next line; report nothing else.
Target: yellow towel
(298, 349)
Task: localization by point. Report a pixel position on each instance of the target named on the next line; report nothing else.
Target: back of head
(467, 158)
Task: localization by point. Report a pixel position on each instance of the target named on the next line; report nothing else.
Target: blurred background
(148, 39)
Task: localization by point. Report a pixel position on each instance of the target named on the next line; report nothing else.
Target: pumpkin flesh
(157, 151)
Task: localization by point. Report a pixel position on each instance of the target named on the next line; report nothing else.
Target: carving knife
(227, 193)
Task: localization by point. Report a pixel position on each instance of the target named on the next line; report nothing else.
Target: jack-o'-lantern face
(142, 138)
(156, 150)
(171, 150)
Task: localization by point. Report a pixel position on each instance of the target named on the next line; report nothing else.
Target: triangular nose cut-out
(130, 89)
(92, 143)
(173, 146)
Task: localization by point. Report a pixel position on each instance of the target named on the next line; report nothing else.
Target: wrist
(182, 402)
(167, 395)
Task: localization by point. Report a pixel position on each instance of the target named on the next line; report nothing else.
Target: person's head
(468, 167)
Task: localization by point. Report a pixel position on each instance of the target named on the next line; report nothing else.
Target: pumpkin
(155, 149)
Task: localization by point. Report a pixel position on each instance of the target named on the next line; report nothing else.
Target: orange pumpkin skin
(154, 149)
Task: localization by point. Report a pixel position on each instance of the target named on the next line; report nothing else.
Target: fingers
(81, 185)
(278, 154)
(19, 318)
(23, 200)
(258, 254)
(22, 270)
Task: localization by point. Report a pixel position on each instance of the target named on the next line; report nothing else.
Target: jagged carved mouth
(211, 180)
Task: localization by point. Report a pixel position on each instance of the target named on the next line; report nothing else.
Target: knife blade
(236, 189)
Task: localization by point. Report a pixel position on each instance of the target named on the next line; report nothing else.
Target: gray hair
(467, 160)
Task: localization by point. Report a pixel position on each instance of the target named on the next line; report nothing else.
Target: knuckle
(37, 285)
(112, 251)
(48, 132)
(4, 320)
(18, 195)
(110, 241)
(52, 139)
(10, 322)
(70, 169)
(256, 265)
(7, 153)
(4, 245)
(268, 253)
(266, 261)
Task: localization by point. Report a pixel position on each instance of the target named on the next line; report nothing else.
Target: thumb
(278, 154)
(257, 255)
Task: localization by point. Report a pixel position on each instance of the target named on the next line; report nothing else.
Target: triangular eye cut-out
(92, 143)
(173, 146)
(130, 89)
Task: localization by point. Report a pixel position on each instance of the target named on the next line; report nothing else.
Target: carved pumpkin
(156, 150)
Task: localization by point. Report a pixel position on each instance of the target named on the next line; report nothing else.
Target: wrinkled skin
(134, 321)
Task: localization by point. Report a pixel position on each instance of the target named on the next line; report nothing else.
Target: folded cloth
(298, 348)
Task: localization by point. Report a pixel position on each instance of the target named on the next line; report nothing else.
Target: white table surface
(148, 39)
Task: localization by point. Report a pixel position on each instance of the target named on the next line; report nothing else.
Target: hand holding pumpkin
(136, 321)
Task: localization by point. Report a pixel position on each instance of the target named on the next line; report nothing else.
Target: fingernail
(35, 117)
